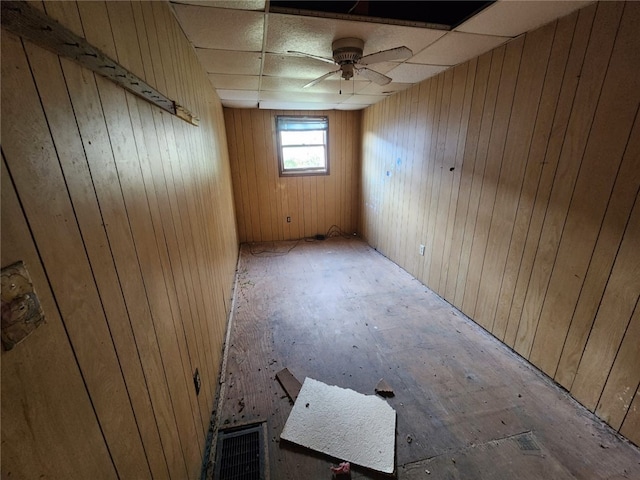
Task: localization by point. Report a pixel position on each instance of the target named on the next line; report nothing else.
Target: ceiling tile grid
(314, 35)
(245, 50)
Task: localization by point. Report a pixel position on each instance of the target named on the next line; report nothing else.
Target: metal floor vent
(240, 454)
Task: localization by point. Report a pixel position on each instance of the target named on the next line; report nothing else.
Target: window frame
(290, 172)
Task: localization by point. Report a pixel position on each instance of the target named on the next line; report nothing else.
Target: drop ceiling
(243, 45)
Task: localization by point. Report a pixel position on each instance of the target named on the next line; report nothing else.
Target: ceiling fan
(347, 54)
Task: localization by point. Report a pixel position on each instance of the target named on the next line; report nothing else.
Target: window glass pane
(302, 145)
(313, 137)
(303, 157)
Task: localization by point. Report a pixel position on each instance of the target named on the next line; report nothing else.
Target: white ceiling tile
(363, 99)
(315, 35)
(410, 73)
(457, 47)
(234, 4)
(229, 62)
(235, 82)
(513, 17)
(285, 84)
(240, 103)
(384, 67)
(299, 106)
(237, 94)
(333, 85)
(292, 66)
(301, 97)
(352, 106)
(222, 29)
(390, 88)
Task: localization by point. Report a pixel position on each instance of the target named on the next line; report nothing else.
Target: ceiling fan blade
(374, 76)
(319, 79)
(398, 53)
(315, 57)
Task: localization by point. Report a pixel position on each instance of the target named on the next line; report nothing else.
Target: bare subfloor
(467, 406)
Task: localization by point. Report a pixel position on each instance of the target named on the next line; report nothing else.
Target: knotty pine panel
(264, 199)
(129, 225)
(534, 238)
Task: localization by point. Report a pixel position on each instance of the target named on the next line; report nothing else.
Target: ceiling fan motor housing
(346, 52)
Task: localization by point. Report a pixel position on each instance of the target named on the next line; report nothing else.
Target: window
(302, 145)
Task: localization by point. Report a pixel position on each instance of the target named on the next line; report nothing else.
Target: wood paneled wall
(264, 200)
(519, 171)
(124, 216)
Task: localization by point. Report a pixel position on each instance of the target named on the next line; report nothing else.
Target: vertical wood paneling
(624, 377)
(573, 146)
(553, 148)
(604, 254)
(133, 241)
(535, 56)
(457, 164)
(264, 200)
(534, 240)
(490, 178)
(62, 123)
(612, 320)
(466, 177)
(451, 104)
(196, 253)
(333, 189)
(57, 402)
(32, 161)
(631, 426)
(389, 165)
(608, 140)
(556, 72)
(437, 87)
(489, 95)
(404, 165)
(409, 227)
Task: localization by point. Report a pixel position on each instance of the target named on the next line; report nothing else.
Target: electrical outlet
(288, 219)
(422, 250)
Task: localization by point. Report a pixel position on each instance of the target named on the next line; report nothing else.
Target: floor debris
(290, 383)
(342, 471)
(384, 389)
(342, 423)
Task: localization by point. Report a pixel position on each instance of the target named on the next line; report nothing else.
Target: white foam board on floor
(345, 424)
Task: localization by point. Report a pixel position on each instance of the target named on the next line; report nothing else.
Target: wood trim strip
(28, 22)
